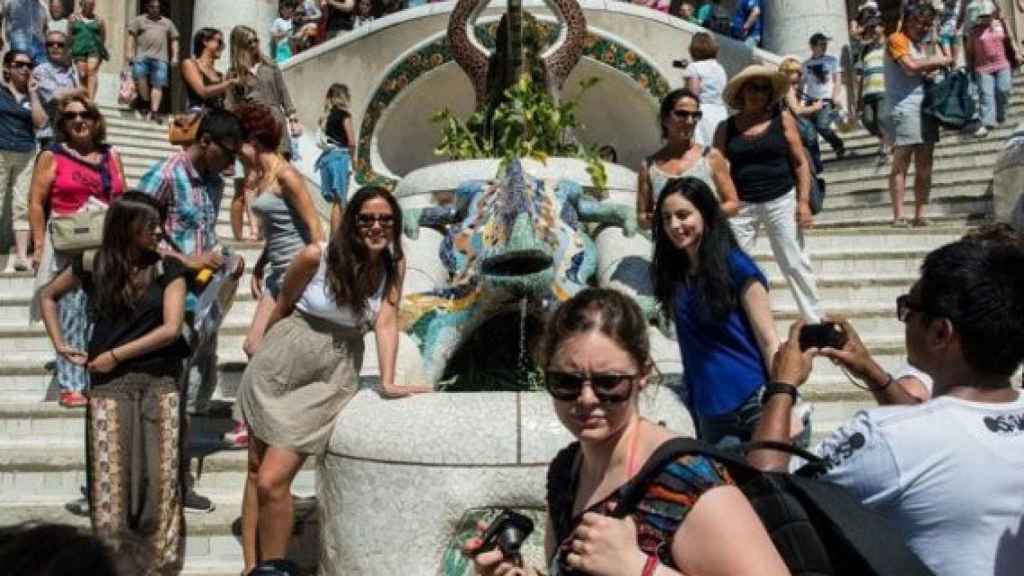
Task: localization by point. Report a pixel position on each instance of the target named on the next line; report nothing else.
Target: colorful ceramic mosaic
(436, 53)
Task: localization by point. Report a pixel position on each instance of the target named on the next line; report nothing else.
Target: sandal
(921, 223)
(899, 223)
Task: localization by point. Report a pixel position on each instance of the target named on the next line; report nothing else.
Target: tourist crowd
(739, 155)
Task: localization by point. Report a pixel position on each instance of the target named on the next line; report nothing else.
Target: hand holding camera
(496, 550)
(854, 356)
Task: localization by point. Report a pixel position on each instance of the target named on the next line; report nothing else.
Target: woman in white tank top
(682, 156)
(307, 367)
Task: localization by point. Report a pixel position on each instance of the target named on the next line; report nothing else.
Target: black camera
(824, 335)
(683, 63)
(507, 532)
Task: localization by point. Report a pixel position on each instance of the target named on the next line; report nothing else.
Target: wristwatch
(779, 388)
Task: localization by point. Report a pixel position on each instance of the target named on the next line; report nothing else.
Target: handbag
(949, 101)
(126, 93)
(183, 129)
(77, 232)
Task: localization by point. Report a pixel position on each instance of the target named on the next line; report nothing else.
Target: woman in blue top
(719, 300)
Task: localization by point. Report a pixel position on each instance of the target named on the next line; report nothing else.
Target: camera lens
(510, 540)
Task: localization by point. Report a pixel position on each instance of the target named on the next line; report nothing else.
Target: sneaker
(198, 504)
(238, 437)
(71, 399)
(981, 132)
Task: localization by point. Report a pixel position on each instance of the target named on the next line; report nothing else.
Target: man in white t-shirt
(948, 473)
(820, 89)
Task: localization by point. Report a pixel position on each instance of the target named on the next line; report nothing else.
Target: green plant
(527, 123)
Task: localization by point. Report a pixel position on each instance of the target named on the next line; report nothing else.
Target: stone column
(257, 14)
(788, 25)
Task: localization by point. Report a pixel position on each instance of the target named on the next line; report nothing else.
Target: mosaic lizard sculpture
(511, 238)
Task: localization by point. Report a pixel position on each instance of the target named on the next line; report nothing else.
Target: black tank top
(760, 165)
(196, 101)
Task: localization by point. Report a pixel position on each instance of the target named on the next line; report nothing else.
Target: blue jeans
(334, 166)
(732, 428)
(994, 94)
(153, 70)
(30, 43)
(822, 120)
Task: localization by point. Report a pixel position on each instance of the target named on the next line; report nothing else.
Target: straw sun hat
(734, 89)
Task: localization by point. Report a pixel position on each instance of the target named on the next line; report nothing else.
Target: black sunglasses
(368, 220)
(79, 115)
(905, 306)
(22, 64)
(609, 388)
(684, 114)
(54, 44)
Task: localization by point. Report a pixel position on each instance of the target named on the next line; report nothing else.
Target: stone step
(54, 466)
(865, 242)
(958, 204)
(863, 191)
(866, 157)
(834, 177)
(862, 138)
(852, 289)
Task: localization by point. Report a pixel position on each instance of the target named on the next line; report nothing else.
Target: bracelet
(883, 386)
(114, 356)
(650, 566)
(779, 388)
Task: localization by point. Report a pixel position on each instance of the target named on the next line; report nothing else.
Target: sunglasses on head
(609, 388)
(685, 114)
(368, 220)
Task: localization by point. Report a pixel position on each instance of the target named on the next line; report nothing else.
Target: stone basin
(398, 476)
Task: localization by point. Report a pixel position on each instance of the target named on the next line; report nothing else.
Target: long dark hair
(671, 265)
(348, 259)
(668, 103)
(201, 38)
(127, 217)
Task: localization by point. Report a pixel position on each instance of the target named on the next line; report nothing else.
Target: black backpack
(818, 528)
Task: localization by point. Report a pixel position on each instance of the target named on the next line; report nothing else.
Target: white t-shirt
(907, 370)
(281, 29)
(712, 80)
(317, 300)
(818, 77)
(948, 473)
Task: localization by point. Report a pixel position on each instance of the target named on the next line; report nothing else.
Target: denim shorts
(151, 69)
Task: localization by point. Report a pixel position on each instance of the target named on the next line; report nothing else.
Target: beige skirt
(296, 385)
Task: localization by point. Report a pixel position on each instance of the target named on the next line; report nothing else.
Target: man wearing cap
(914, 134)
(821, 84)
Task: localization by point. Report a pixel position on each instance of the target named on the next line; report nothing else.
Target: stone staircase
(861, 262)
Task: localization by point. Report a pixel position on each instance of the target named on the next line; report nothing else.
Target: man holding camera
(946, 472)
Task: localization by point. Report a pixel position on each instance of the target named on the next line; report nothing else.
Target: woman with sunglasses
(290, 222)
(769, 166)
(718, 300)
(81, 173)
(681, 156)
(205, 86)
(21, 113)
(307, 367)
(135, 354)
(597, 361)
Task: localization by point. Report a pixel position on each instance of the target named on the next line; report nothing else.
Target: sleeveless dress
(307, 370)
(285, 231)
(86, 41)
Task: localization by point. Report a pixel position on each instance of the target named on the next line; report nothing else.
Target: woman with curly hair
(307, 368)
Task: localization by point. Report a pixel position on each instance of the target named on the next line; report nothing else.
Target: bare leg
(22, 238)
(898, 178)
(250, 505)
(336, 210)
(83, 75)
(238, 210)
(156, 96)
(142, 86)
(93, 83)
(273, 490)
(258, 328)
(922, 180)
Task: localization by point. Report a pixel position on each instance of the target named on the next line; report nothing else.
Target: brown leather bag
(183, 129)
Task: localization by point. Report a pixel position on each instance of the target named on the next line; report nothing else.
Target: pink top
(989, 50)
(77, 180)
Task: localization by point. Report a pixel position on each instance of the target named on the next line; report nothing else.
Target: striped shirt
(874, 69)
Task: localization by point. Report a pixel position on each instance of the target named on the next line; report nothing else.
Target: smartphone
(508, 532)
(824, 335)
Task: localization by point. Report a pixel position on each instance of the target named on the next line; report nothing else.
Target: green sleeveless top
(86, 41)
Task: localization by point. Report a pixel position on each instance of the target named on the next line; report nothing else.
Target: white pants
(779, 217)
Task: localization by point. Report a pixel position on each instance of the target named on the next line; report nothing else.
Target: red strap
(650, 566)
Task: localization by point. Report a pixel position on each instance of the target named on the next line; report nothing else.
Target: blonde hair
(790, 64)
(245, 51)
(337, 98)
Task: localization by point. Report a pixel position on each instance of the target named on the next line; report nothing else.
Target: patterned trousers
(135, 470)
(74, 323)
